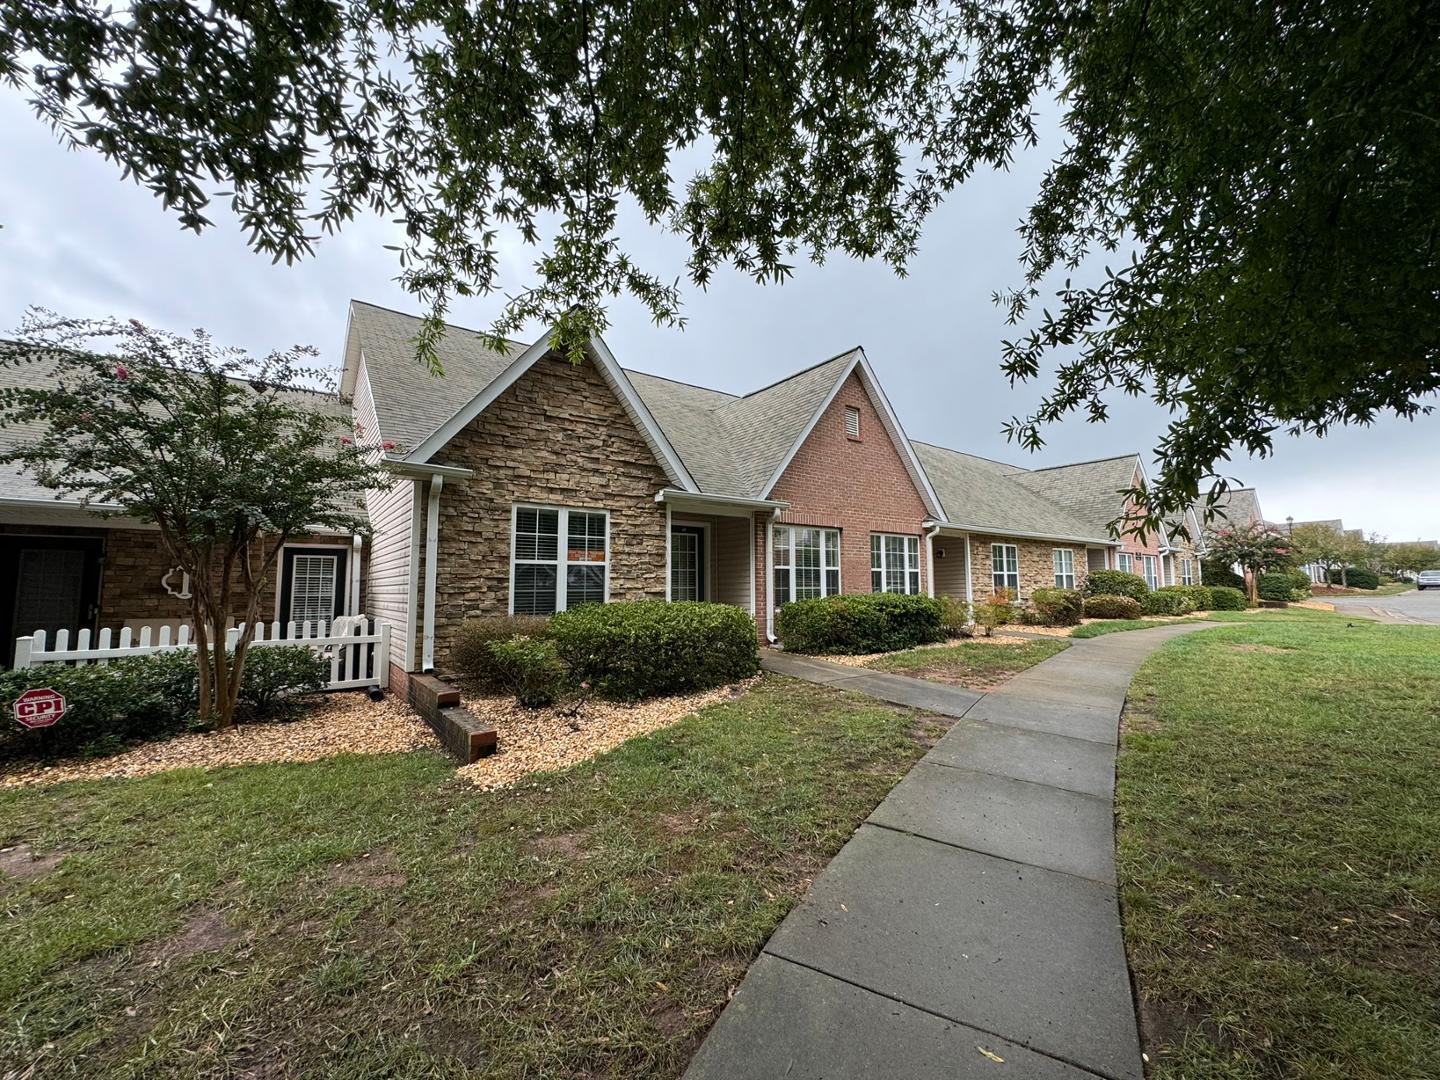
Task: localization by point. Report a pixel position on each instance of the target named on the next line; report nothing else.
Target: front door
(48, 583)
(687, 562)
(312, 586)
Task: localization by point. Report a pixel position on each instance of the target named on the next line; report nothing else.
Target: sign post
(39, 708)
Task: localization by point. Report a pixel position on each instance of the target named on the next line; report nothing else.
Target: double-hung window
(1064, 560)
(1150, 564)
(806, 563)
(560, 559)
(1005, 568)
(1187, 572)
(1124, 562)
(894, 563)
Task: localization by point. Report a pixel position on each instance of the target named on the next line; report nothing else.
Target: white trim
(1005, 562)
(357, 550)
(769, 572)
(750, 602)
(345, 596)
(610, 371)
(825, 567)
(407, 468)
(893, 428)
(562, 563)
(697, 502)
(969, 580)
(412, 578)
(669, 525)
(432, 558)
(1000, 530)
(907, 537)
(1056, 562)
(930, 560)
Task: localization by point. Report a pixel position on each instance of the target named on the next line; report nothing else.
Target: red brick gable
(859, 486)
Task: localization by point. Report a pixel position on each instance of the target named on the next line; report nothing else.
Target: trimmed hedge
(1357, 577)
(860, 623)
(529, 668)
(1116, 583)
(1057, 607)
(1284, 585)
(1112, 607)
(1165, 602)
(651, 647)
(471, 657)
(1217, 574)
(1224, 598)
(1198, 595)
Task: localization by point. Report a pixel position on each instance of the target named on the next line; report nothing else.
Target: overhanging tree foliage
(1262, 177)
(219, 451)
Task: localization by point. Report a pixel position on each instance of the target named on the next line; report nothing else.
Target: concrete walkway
(975, 912)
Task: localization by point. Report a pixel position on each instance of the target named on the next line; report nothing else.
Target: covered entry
(48, 583)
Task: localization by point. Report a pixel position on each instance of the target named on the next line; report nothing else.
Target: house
(529, 485)
(64, 566)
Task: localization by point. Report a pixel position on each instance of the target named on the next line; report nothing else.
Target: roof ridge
(1088, 461)
(802, 371)
(681, 382)
(448, 324)
(967, 453)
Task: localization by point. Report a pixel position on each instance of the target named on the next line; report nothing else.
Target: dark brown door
(48, 583)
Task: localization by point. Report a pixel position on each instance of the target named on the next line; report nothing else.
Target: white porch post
(969, 579)
(432, 549)
(930, 560)
(669, 514)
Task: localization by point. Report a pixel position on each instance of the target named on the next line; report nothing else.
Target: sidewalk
(974, 913)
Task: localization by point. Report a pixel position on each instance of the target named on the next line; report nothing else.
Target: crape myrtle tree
(1257, 548)
(1323, 545)
(226, 455)
(1257, 181)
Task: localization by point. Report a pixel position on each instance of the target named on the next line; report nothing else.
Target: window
(1124, 562)
(1187, 572)
(806, 563)
(1005, 567)
(1064, 560)
(544, 579)
(1149, 564)
(312, 585)
(894, 563)
(852, 422)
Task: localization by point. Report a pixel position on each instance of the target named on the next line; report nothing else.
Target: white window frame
(789, 532)
(1061, 559)
(1004, 571)
(1150, 570)
(1125, 562)
(561, 562)
(909, 573)
(1187, 571)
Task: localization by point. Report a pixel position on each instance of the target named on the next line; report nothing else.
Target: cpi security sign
(39, 708)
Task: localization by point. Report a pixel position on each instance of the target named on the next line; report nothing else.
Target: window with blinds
(312, 588)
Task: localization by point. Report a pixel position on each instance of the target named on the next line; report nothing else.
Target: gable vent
(852, 421)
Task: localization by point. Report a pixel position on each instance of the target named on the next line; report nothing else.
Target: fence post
(22, 652)
(382, 657)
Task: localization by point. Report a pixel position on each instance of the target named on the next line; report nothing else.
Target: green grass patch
(1101, 627)
(373, 916)
(1279, 803)
(978, 664)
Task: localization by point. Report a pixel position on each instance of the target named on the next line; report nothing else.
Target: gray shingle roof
(1088, 490)
(1238, 506)
(990, 496)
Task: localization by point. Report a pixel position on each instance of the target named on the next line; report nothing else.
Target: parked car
(1428, 579)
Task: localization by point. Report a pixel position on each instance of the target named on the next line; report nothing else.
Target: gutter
(998, 530)
(409, 468)
(930, 534)
(432, 550)
(671, 495)
(770, 576)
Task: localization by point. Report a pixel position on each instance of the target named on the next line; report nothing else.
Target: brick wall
(558, 437)
(1037, 564)
(859, 486)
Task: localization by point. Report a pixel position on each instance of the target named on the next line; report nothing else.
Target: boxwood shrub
(1112, 607)
(1284, 585)
(860, 623)
(1356, 577)
(1224, 598)
(529, 668)
(1166, 602)
(1198, 595)
(470, 655)
(1115, 583)
(1057, 607)
(651, 647)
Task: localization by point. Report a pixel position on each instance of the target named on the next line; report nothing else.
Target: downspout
(669, 531)
(432, 550)
(930, 534)
(969, 582)
(357, 548)
(770, 577)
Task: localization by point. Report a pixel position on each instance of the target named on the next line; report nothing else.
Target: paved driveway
(1410, 607)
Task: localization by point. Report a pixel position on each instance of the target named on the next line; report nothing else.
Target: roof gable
(1090, 491)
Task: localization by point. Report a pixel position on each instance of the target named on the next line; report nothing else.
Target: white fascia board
(349, 365)
(958, 528)
(692, 498)
(402, 467)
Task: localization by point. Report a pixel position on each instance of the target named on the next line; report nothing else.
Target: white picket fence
(359, 652)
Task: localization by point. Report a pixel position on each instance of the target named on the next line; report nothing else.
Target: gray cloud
(78, 239)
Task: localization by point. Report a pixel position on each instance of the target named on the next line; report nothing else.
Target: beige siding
(950, 568)
(731, 560)
(388, 586)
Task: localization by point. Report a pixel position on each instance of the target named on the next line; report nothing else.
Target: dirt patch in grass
(1252, 648)
(570, 845)
(21, 862)
(206, 932)
(374, 870)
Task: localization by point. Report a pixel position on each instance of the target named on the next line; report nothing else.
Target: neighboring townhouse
(63, 566)
(1238, 506)
(528, 485)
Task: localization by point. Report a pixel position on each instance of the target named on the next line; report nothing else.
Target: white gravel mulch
(864, 659)
(534, 739)
(343, 723)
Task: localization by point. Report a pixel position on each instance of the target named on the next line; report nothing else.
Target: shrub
(1112, 607)
(527, 667)
(1058, 607)
(276, 678)
(1198, 595)
(955, 617)
(1115, 583)
(996, 611)
(1167, 602)
(1357, 577)
(1219, 574)
(651, 647)
(1224, 598)
(470, 655)
(859, 623)
(1284, 585)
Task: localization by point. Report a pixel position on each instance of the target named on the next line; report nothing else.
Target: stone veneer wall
(557, 437)
(1037, 565)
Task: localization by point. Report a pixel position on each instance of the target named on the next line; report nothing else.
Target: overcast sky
(78, 239)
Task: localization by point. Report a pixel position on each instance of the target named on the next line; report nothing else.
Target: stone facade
(857, 485)
(1037, 565)
(557, 437)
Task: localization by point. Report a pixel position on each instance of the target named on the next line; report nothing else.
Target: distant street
(1410, 607)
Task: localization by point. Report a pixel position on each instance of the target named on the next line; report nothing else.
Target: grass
(1101, 627)
(368, 916)
(1278, 804)
(978, 664)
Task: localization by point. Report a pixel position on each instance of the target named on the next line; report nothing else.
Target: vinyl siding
(950, 568)
(732, 561)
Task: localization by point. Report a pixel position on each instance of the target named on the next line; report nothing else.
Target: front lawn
(1279, 804)
(978, 664)
(369, 916)
(1101, 627)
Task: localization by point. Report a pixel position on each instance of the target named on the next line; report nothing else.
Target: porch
(710, 550)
